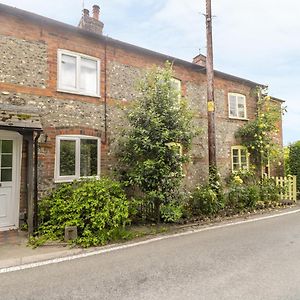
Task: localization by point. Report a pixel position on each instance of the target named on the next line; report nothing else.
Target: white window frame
(236, 95)
(178, 85)
(76, 138)
(239, 148)
(77, 90)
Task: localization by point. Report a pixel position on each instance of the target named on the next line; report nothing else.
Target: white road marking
(120, 247)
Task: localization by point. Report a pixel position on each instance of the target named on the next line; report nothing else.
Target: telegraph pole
(210, 90)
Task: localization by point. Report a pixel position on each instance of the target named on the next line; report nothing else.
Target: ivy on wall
(259, 135)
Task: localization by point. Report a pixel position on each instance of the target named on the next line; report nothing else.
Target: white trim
(236, 95)
(78, 57)
(76, 138)
(16, 176)
(177, 85)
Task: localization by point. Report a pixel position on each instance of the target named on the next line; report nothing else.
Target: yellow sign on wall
(210, 106)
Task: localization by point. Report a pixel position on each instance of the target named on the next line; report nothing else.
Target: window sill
(239, 119)
(78, 93)
(69, 180)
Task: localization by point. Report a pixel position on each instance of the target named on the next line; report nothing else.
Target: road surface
(257, 260)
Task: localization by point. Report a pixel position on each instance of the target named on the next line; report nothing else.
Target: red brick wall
(55, 37)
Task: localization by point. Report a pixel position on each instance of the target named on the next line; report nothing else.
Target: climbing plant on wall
(259, 135)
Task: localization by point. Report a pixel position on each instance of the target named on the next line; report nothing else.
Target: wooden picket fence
(289, 187)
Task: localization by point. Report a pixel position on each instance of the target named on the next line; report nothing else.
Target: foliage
(204, 200)
(286, 153)
(246, 192)
(154, 146)
(98, 208)
(134, 210)
(214, 181)
(294, 161)
(259, 135)
(171, 212)
(269, 191)
(246, 176)
(241, 196)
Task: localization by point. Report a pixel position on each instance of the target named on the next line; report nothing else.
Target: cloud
(253, 39)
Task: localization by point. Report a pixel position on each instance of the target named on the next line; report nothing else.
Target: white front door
(10, 165)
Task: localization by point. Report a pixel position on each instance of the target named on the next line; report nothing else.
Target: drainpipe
(36, 153)
(105, 93)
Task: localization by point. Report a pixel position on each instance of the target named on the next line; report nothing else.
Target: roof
(44, 20)
(277, 99)
(20, 120)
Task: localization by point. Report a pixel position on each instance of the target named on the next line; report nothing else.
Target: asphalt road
(259, 260)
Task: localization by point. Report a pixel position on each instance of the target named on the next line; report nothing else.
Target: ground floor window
(239, 158)
(77, 157)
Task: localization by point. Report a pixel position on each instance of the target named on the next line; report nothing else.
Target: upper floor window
(78, 73)
(239, 158)
(176, 84)
(237, 106)
(77, 157)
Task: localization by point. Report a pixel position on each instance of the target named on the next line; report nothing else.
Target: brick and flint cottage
(62, 89)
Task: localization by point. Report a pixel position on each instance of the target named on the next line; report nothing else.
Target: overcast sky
(257, 39)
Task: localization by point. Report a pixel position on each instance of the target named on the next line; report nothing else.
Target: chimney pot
(85, 12)
(92, 24)
(96, 12)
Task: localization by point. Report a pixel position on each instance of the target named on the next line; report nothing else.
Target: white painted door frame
(16, 177)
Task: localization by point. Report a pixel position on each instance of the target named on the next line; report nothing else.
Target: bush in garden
(244, 176)
(269, 191)
(171, 212)
(204, 200)
(98, 208)
(294, 162)
(153, 148)
(251, 193)
(242, 196)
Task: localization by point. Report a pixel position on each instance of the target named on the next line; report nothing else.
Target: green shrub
(294, 162)
(98, 208)
(171, 212)
(155, 145)
(241, 196)
(253, 195)
(246, 176)
(269, 192)
(237, 197)
(204, 200)
(138, 212)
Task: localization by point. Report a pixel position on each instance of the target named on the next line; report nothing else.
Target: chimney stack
(86, 12)
(92, 24)
(96, 12)
(200, 60)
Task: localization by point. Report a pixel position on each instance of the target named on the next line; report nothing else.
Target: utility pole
(210, 90)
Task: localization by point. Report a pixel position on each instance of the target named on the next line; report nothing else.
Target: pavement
(15, 252)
